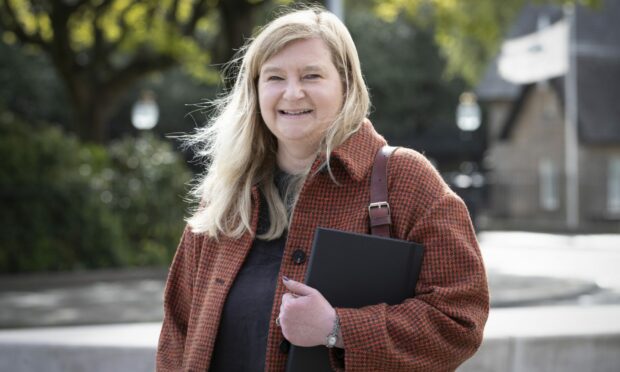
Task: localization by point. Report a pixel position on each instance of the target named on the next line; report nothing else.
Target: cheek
(263, 102)
(267, 96)
(337, 95)
(333, 102)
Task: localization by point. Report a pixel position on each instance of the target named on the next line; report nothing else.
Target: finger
(297, 287)
(288, 297)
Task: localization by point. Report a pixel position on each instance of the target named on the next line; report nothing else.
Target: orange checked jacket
(436, 330)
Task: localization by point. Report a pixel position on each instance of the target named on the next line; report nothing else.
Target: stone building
(526, 132)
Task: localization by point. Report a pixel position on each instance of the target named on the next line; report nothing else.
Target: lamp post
(468, 112)
(145, 112)
(469, 180)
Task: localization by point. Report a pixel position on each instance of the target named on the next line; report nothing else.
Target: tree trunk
(92, 107)
(94, 88)
(90, 120)
(237, 23)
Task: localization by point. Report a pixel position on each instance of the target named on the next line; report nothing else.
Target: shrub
(50, 219)
(66, 205)
(146, 193)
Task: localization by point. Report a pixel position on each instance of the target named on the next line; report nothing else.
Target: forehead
(312, 54)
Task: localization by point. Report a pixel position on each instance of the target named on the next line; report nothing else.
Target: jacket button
(285, 346)
(299, 257)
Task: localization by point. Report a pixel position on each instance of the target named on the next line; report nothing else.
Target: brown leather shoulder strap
(379, 209)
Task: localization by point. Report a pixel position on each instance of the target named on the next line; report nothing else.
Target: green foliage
(120, 26)
(146, 192)
(176, 93)
(468, 32)
(66, 205)
(50, 218)
(403, 69)
(30, 87)
(100, 49)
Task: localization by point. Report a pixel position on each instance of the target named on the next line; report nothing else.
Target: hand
(306, 318)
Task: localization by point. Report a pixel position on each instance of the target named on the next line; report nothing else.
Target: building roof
(598, 71)
(492, 87)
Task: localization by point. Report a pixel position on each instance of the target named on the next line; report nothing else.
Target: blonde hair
(239, 149)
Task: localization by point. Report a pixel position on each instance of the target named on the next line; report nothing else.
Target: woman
(290, 149)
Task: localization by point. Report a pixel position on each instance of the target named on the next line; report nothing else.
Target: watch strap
(332, 338)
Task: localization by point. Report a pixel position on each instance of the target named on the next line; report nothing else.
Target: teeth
(297, 112)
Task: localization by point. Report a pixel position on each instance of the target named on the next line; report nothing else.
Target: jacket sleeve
(442, 325)
(177, 304)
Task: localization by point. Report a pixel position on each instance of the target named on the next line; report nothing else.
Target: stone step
(525, 339)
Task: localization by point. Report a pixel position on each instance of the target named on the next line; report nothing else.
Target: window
(548, 185)
(613, 185)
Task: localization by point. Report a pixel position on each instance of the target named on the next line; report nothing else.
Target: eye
(312, 76)
(274, 78)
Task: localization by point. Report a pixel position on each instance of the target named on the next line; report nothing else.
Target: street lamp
(469, 181)
(145, 113)
(468, 113)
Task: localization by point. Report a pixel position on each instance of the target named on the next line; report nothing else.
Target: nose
(294, 90)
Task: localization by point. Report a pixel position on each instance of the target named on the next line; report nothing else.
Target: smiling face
(300, 94)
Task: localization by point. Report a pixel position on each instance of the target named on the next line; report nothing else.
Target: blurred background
(515, 102)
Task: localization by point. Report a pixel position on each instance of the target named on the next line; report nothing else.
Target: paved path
(588, 257)
(524, 269)
(100, 297)
(580, 269)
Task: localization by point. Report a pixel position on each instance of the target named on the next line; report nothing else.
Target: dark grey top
(241, 341)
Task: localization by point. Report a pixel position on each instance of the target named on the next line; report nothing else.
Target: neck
(295, 160)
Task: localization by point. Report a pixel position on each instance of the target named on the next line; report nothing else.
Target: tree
(403, 69)
(468, 32)
(29, 86)
(101, 48)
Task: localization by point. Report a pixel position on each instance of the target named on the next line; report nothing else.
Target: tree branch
(171, 15)
(199, 10)
(236, 25)
(60, 48)
(14, 26)
(124, 30)
(137, 68)
(100, 52)
(77, 4)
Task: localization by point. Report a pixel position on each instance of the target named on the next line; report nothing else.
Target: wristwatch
(332, 338)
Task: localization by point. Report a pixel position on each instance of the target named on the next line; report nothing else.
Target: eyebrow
(313, 68)
(269, 70)
(308, 68)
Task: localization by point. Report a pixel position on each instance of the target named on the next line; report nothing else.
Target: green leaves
(67, 205)
(468, 32)
(404, 71)
(100, 48)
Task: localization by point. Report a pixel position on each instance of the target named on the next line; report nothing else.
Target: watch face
(331, 340)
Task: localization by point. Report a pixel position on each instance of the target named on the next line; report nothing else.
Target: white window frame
(613, 185)
(548, 195)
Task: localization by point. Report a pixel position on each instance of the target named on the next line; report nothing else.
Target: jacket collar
(357, 153)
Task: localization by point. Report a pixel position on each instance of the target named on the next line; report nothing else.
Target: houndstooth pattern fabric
(436, 330)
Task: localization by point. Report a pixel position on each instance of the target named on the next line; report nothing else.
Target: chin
(294, 134)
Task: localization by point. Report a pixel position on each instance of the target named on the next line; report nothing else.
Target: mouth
(294, 112)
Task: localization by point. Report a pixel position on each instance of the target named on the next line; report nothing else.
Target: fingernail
(285, 278)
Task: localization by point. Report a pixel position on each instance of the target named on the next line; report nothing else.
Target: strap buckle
(378, 205)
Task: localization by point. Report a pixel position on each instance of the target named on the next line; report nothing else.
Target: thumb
(297, 287)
